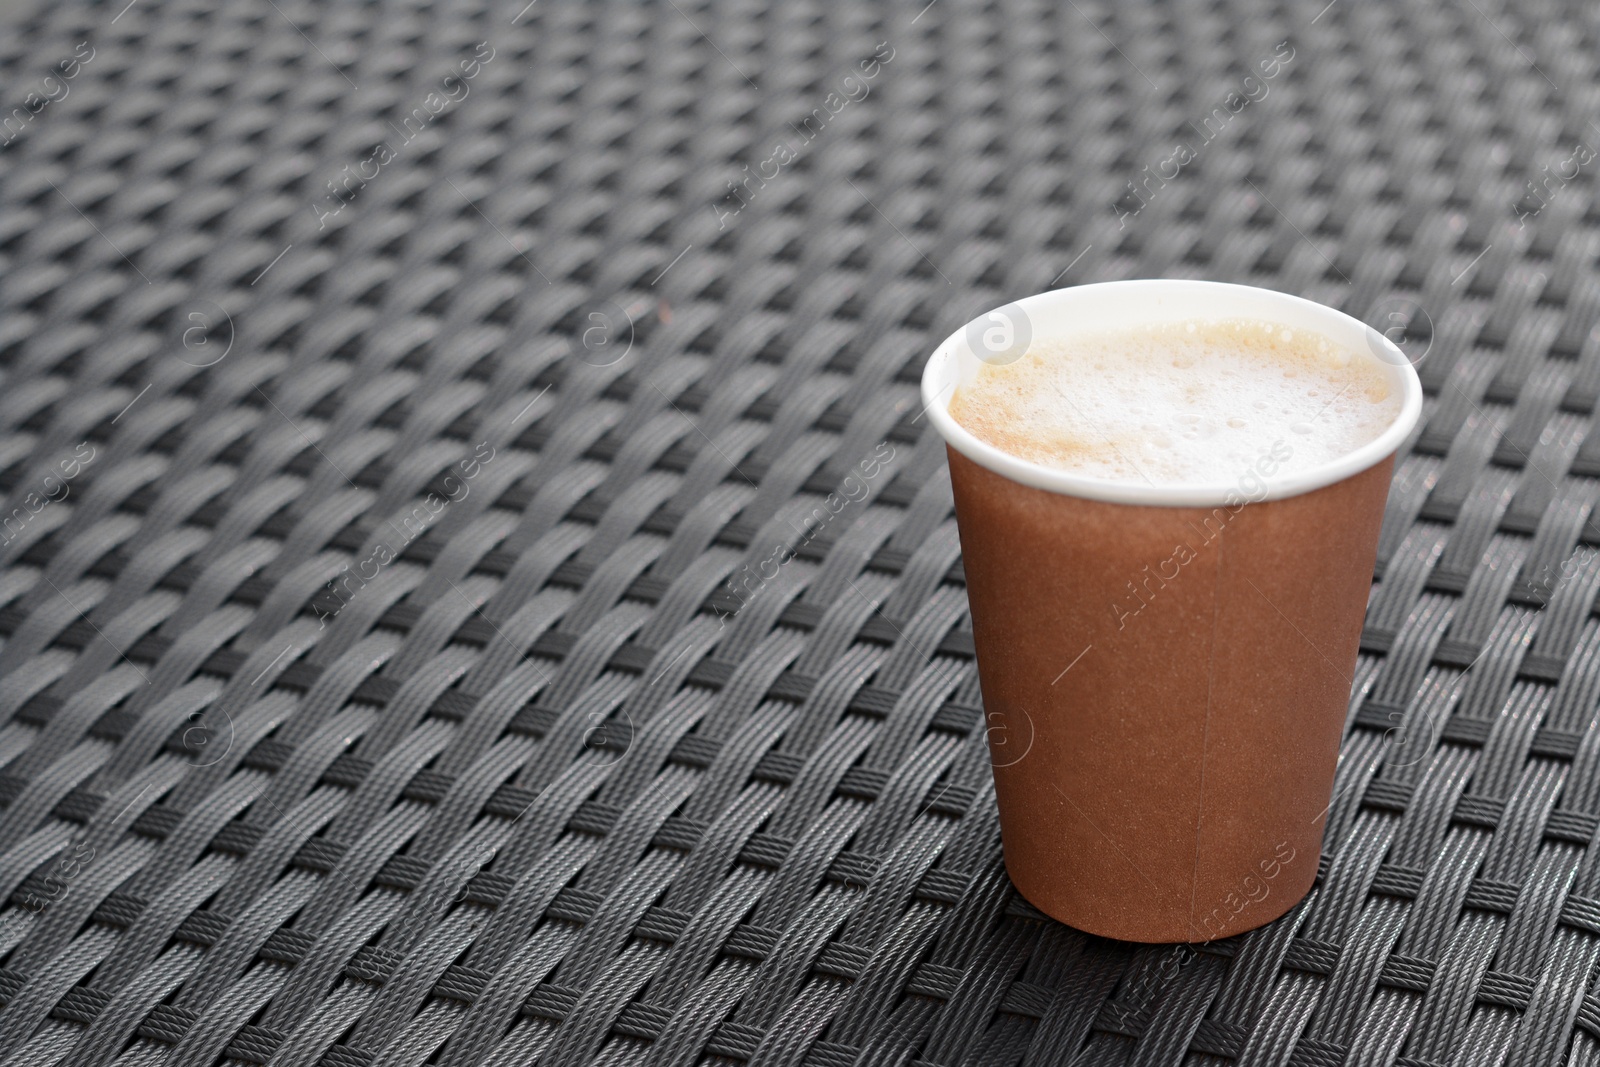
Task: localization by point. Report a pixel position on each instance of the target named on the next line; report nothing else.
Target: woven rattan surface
(479, 589)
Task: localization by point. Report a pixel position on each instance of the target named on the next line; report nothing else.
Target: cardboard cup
(1165, 670)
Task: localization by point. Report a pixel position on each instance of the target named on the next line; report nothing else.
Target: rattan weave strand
(410, 411)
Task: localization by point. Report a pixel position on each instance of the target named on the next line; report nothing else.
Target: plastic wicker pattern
(373, 687)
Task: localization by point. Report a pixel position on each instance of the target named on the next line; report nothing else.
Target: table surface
(394, 392)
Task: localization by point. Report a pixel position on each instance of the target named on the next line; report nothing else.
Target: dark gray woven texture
(402, 660)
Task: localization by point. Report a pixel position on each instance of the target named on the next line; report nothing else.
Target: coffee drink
(1180, 403)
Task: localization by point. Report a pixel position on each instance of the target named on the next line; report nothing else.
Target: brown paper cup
(1165, 671)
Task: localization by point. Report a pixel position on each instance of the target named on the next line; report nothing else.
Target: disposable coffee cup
(1166, 670)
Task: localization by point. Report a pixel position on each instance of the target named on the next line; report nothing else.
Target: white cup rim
(1168, 299)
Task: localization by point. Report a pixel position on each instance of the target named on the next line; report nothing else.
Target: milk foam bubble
(1180, 403)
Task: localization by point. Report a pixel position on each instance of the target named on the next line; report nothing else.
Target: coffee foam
(1180, 403)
